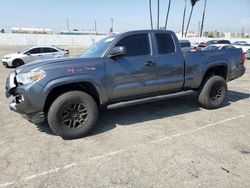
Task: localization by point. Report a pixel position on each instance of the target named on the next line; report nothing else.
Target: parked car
(218, 47)
(201, 46)
(248, 54)
(244, 47)
(32, 54)
(218, 42)
(67, 92)
(211, 42)
(185, 45)
(239, 42)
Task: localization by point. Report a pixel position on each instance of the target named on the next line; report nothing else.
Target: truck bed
(198, 62)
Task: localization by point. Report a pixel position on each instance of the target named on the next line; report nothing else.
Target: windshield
(224, 42)
(22, 51)
(98, 49)
(245, 44)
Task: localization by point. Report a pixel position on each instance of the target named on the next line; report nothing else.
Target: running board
(150, 99)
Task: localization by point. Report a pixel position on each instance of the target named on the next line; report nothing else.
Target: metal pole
(95, 28)
(68, 24)
(199, 26)
(112, 24)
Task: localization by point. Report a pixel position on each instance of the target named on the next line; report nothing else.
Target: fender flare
(73, 80)
(215, 64)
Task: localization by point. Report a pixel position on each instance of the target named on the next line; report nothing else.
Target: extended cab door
(170, 62)
(133, 74)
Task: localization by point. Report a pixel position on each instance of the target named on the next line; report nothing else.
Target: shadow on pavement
(159, 108)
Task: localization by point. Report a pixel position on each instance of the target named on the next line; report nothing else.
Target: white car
(185, 45)
(218, 47)
(239, 42)
(244, 47)
(32, 54)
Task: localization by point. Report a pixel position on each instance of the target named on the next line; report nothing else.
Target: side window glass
(49, 50)
(34, 51)
(165, 43)
(136, 45)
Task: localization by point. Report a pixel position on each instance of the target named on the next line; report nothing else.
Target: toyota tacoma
(67, 93)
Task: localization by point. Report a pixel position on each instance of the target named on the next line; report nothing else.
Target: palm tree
(150, 10)
(158, 15)
(193, 2)
(183, 20)
(169, 5)
(203, 18)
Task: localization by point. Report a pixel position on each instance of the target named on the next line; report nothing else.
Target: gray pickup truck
(68, 92)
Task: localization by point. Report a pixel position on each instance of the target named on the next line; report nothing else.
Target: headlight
(7, 57)
(30, 77)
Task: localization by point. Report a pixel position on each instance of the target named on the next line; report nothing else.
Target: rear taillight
(243, 57)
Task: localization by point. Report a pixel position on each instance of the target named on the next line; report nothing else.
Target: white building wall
(43, 39)
(68, 40)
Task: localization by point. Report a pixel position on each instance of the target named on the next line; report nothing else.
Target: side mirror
(28, 53)
(117, 51)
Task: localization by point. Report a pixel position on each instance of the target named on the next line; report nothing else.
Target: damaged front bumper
(24, 101)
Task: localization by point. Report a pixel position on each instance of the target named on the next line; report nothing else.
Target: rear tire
(213, 92)
(73, 114)
(17, 63)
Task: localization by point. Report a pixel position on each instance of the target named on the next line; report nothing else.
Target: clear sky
(222, 15)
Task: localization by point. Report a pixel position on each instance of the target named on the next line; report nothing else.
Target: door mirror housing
(28, 53)
(117, 51)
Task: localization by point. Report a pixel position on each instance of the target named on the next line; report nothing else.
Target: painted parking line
(113, 153)
(198, 129)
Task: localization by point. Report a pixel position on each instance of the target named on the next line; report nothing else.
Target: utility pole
(67, 24)
(199, 26)
(242, 32)
(95, 28)
(112, 25)
(203, 18)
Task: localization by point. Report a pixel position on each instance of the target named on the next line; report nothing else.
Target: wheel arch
(84, 86)
(17, 59)
(219, 69)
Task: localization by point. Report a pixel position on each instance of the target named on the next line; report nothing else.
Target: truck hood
(53, 63)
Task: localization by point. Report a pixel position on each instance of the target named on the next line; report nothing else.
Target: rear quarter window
(165, 43)
(49, 50)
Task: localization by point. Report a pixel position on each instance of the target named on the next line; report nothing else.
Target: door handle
(149, 64)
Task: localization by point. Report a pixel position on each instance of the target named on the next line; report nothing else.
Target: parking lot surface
(165, 143)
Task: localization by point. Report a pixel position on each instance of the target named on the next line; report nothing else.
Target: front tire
(213, 92)
(73, 114)
(17, 63)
